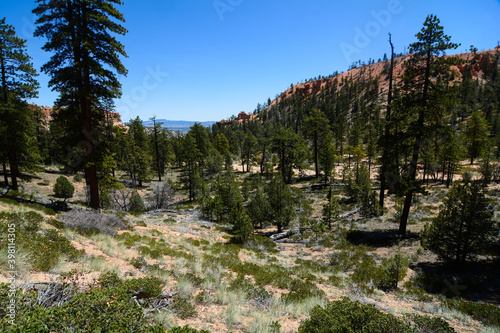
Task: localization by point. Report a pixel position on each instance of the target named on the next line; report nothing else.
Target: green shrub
(78, 177)
(109, 280)
(351, 317)
(392, 270)
(384, 276)
(301, 290)
(183, 306)
(56, 223)
(141, 224)
(429, 324)
(136, 204)
(63, 188)
(261, 243)
(346, 259)
(109, 308)
(25, 222)
(44, 249)
(256, 293)
(139, 262)
(148, 287)
(488, 314)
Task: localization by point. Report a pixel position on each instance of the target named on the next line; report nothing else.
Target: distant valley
(178, 125)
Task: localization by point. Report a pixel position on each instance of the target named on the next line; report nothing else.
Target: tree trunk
(14, 169)
(5, 176)
(472, 152)
(416, 149)
(157, 150)
(91, 177)
(385, 154)
(84, 94)
(263, 161)
(316, 154)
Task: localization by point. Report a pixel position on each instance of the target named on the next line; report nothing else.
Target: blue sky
(210, 59)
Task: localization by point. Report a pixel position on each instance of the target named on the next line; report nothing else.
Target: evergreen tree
(386, 140)
(249, 149)
(423, 98)
(192, 173)
(476, 132)
(138, 159)
(316, 127)
(156, 129)
(201, 136)
(136, 204)
(464, 227)
(281, 203)
(17, 82)
(327, 157)
(82, 68)
(258, 207)
(63, 188)
(331, 209)
(222, 146)
(450, 154)
(291, 150)
(242, 225)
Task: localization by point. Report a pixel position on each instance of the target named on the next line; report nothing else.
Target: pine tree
(423, 98)
(17, 82)
(156, 129)
(327, 157)
(281, 203)
(242, 225)
(331, 209)
(191, 155)
(476, 132)
(222, 146)
(136, 204)
(82, 68)
(386, 140)
(464, 227)
(316, 127)
(291, 150)
(249, 149)
(258, 207)
(138, 159)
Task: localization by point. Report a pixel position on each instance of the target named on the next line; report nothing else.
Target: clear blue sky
(209, 59)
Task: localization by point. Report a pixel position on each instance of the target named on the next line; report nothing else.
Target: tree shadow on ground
(378, 238)
(56, 206)
(477, 281)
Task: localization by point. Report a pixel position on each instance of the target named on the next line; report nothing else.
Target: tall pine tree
(423, 94)
(82, 68)
(17, 82)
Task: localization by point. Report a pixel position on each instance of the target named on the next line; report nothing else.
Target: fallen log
(349, 213)
(285, 234)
